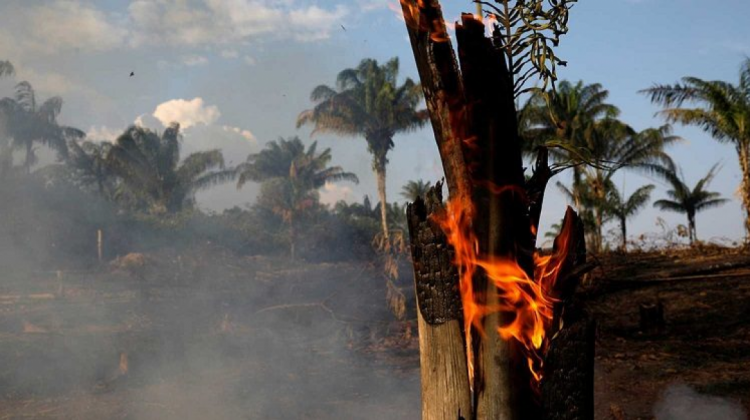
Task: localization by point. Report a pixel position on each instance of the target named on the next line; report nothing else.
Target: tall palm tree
(721, 109)
(291, 178)
(686, 200)
(29, 123)
(623, 208)
(368, 101)
(152, 176)
(414, 189)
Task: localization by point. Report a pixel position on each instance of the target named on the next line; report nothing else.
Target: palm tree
(6, 68)
(686, 200)
(367, 101)
(152, 176)
(414, 189)
(89, 160)
(624, 208)
(612, 146)
(721, 109)
(565, 118)
(291, 178)
(6, 152)
(30, 123)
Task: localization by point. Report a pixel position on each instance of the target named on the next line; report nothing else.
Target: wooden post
(60, 285)
(99, 244)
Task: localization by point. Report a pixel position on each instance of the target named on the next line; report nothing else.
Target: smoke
(680, 402)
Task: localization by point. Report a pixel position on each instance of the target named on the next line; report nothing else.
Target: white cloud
(102, 133)
(332, 193)
(194, 60)
(250, 61)
(246, 134)
(66, 25)
(370, 5)
(197, 123)
(229, 54)
(63, 26)
(216, 22)
(186, 112)
(315, 23)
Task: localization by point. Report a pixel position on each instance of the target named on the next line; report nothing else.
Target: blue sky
(237, 72)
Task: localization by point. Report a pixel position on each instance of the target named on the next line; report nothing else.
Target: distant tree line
(143, 179)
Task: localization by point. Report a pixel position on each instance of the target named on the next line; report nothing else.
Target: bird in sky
(132, 73)
(342, 27)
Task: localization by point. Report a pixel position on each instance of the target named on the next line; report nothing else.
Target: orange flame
(411, 13)
(530, 299)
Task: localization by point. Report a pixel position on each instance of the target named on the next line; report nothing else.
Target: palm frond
(669, 206)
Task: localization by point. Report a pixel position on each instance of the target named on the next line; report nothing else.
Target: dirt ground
(211, 335)
(705, 343)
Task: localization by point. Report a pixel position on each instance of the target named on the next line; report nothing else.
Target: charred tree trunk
(474, 120)
(444, 374)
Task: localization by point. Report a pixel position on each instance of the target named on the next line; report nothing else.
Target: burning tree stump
(499, 335)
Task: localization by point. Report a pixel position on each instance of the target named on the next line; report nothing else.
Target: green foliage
(583, 133)
(527, 30)
(89, 162)
(291, 177)
(686, 200)
(153, 179)
(368, 102)
(721, 109)
(27, 123)
(6, 68)
(624, 208)
(414, 189)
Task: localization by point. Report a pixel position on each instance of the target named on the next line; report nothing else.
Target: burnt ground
(705, 342)
(206, 336)
(212, 335)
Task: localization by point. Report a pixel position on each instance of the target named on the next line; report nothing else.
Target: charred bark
(475, 124)
(568, 388)
(446, 394)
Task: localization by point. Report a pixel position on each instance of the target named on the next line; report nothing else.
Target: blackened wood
(443, 366)
(442, 87)
(568, 386)
(435, 276)
(651, 317)
(493, 156)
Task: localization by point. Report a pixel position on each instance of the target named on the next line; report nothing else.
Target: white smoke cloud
(680, 402)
